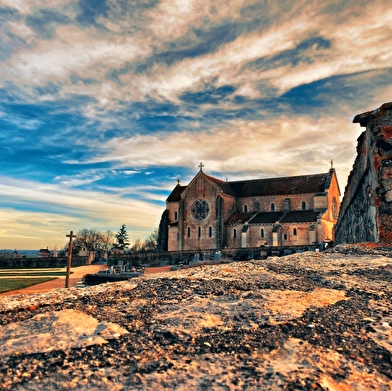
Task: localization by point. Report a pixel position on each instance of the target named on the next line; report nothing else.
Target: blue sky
(105, 103)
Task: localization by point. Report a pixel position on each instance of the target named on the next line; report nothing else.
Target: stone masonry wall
(366, 210)
(41, 262)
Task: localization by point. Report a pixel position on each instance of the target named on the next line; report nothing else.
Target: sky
(104, 104)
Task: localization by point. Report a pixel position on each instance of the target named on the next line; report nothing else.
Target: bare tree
(150, 244)
(137, 245)
(89, 238)
(107, 240)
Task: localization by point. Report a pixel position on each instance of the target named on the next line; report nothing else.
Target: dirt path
(75, 277)
(161, 269)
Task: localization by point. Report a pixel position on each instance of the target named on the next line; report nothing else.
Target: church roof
(238, 218)
(302, 184)
(267, 217)
(175, 195)
(300, 216)
(224, 185)
(280, 186)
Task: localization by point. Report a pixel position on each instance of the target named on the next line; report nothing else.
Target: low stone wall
(174, 257)
(366, 210)
(40, 262)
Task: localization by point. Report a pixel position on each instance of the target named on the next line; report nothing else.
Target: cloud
(248, 147)
(27, 6)
(72, 208)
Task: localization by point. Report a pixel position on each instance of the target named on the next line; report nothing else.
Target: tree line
(94, 240)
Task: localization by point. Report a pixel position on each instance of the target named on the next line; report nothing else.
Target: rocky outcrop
(308, 321)
(366, 209)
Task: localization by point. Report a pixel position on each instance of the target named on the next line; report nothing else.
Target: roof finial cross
(178, 181)
(331, 163)
(201, 165)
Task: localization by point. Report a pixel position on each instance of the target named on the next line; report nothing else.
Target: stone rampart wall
(40, 262)
(173, 257)
(366, 210)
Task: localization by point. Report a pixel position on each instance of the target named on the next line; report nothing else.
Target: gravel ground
(309, 321)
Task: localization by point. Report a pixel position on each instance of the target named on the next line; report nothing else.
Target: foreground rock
(306, 321)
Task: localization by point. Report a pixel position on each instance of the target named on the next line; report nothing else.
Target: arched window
(245, 208)
(272, 206)
(234, 233)
(295, 231)
(303, 206)
(199, 232)
(189, 232)
(286, 204)
(176, 216)
(210, 232)
(262, 233)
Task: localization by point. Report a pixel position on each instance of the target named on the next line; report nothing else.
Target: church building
(212, 214)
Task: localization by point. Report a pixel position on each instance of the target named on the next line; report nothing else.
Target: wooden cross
(201, 165)
(69, 261)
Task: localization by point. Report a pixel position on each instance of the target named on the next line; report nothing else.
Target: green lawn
(18, 283)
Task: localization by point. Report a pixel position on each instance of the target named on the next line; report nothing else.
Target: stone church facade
(210, 214)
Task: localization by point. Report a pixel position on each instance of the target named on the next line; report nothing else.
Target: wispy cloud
(52, 210)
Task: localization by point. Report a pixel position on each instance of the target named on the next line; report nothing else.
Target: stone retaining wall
(174, 257)
(366, 210)
(40, 262)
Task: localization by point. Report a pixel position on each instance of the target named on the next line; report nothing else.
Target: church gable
(201, 186)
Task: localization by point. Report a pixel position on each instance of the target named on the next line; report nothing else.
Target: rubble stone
(311, 321)
(366, 210)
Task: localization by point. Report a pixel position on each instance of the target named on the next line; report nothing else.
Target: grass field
(22, 282)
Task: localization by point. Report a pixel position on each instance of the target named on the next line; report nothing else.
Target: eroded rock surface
(306, 321)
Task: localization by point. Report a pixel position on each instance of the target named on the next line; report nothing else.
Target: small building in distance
(210, 213)
(84, 252)
(43, 253)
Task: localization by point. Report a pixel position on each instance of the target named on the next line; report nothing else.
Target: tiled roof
(294, 216)
(267, 217)
(238, 218)
(300, 216)
(225, 186)
(175, 195)
(280, 186)
(303, 184)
